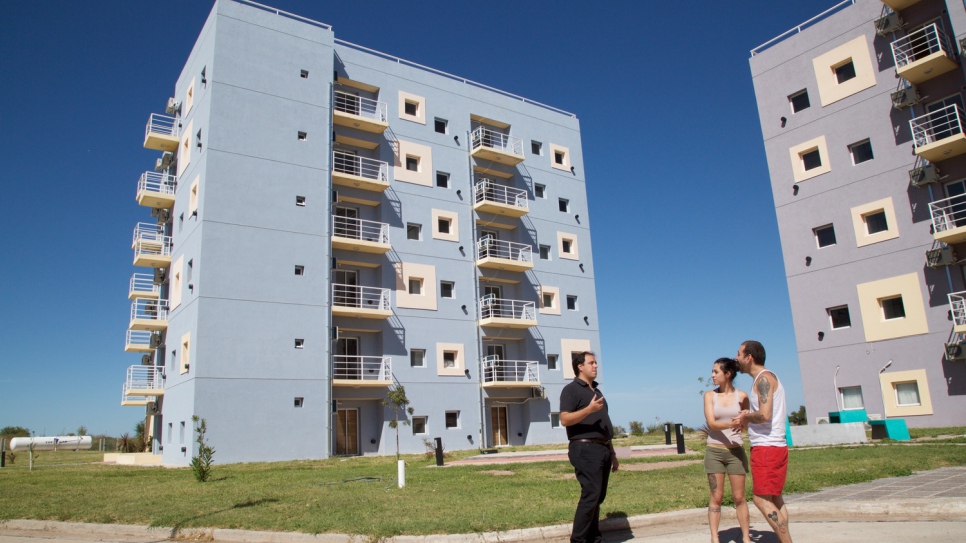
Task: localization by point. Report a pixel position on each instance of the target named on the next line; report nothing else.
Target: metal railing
(919, 45)
(138, 337)
(144, 377)
(499, 308)
(936, 125)
(957, 304)
(497, 248)
(360, 229)
(163, 183)
(488, 190)
(126, 398)
(148, 232)
(284, 14)
(360, 166)
(362, 297)
(825, 14)
(362, 368)
(149, 309)
(161, 124)
(361, 107)
(484, 137)
(948, 213)
(143, 282)
(496, 370)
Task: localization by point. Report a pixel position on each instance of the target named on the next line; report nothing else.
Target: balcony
(142, 286)
(499, 373)
(127, 401)
(500, 313)
(157, 190)
(351, 170)
(144, 381)
(949, 219)
(490, 145)
(152, 248)
(361, 371)
(360, 235)
(161, 133)
(492, 197)
(362, 302)
(358, 112)
(504, 255)
(148, 314)
(957, 305)
(896, 5)
(923, 54)
(141, 341)
(938, 135)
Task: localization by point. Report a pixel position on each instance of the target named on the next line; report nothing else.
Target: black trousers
(591, 463)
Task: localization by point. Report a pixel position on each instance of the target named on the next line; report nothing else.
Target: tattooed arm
(765, 387)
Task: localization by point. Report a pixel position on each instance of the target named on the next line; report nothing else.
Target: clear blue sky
(685, 239)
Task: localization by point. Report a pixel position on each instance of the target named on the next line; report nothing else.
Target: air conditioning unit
(158, 276)
(888, 24)
(174, 106)
(155, 341)
(942, 256)
(924, 175)
(152, 408)
(165, 162)
(905, 97)
(955, 351)
(821, 420)
(164, 215)
(538, 393)
(147, 360)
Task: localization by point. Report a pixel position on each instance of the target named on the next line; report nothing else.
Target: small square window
(548, 299)
(551, 361)
(861, 152)
(824, 235)
(298, 401)
(304, 74)
(417, 358)
(799, 101)
(413, 231)
(300, 201)
(536, 147)
(303, 136)
(442, 180)
(446, 289)
(419, 425)
(892, 308)
(441, 124)
(572, 302)
(544, 252)
(449, 359)
(555, 420)
(412, 108)
(299, 343)
(452, 419)
(412, 163)
(844, 72)
(299, 270)
(907, 393)
(540, 191)
(564, 205)
(811, 160)
(875, 222)
(416, 286)
(559, 157)
(443, 225)
(567, 246)
(839, 317)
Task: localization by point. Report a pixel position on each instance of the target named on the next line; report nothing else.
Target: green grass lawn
(321, 496)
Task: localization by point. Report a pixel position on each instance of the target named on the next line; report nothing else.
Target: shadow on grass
(177, 526)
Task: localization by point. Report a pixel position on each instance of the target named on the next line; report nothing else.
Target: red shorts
(769, 465)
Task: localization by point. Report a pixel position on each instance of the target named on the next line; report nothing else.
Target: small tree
(14, 431)
(396, 400)
(798, 418)
(201, 464)
(82, 430)
(619, 431)
(637, 428)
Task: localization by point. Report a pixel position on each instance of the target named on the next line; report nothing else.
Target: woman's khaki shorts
(731, 461)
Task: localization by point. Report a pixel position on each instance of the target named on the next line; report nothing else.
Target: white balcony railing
(484, 137)
(361, 297)
(131, 400)
(957, 304)
(919, 45)
(496, 370)
(509, 250)
(149, 309)
(489, 191)
(360, 229)
(492, 307)
(161, 124)
(362, 368)
(148, 232)
(144, 377)
(936, 125)
(948, 213)
(143, 283)
(361, 107)
(360, 166)
(140, 338)
(163, 183)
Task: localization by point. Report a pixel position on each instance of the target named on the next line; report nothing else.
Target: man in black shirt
(583, 411)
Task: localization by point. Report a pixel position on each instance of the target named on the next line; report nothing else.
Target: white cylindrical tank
(66, 443)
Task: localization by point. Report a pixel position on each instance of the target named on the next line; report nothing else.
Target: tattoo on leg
(712, 482)
(714, 509)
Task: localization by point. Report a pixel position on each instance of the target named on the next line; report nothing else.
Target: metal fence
(362, 368)
(360, 229)
(948, 213)
(484, 137)
(919, 45)
(488, 190)
(361, 107)
(360, 166)
(497, 370)
(497, 248)
(362, 297)
(499, 308)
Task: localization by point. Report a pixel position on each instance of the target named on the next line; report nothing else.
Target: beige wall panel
(574, 253)
(454, 226)
(798, 167)
(887, 382)
(553, 157)
(460, 369)
(426, 300)
(568, 348)
(862, 238)
(544, 310)
(177, 276)
(184, 150)
(185, 347)
(420, 116)
(874, 323)
(829, 89)
(424, 176)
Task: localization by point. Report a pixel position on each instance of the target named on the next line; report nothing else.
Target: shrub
(201, 464)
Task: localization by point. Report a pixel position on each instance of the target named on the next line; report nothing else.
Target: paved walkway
(939, 483)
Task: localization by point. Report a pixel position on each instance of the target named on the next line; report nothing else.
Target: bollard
(439, 451)
(401, 473)
(3, 452)
(667, 433)
(679, 436)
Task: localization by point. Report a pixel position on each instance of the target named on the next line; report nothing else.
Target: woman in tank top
(725, 453)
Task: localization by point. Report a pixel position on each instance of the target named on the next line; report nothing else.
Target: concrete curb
(932, 509)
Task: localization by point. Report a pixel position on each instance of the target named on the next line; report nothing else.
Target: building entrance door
(498, 426)
(347, 432)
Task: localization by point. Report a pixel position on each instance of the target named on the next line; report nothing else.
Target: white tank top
(770, 433)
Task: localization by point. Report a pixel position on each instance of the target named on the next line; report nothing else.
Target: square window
(839, 317)
(851, 398)
(548, 299)
(536, 147)
(413, 231)
(412, 163)
(417, 358)
(416, 286)
(572, 303)
(303, 136)
(555, 420)
(441, 124)
(875, 222)
(444, 225)
(567, 246)
(452, 419)
(449, 359)
(299, 343)
(552, 361)
(298, 401)
(299, 270)
(564, 205)
(540, 191)
(419, 425)
(844, 72)
(304, 74)
(412, 108)
(442, 180)
(300, 201)
(799, 101)
(861, 152)
(446, 289)
(811, 160)
(892, 308)
(824, 235)
(544, 252)
(559, 157)
(907, 393)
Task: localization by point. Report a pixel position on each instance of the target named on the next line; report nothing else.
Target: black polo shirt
(578, 395)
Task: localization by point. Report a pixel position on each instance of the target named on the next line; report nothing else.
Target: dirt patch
(497, 472)
(659, 465)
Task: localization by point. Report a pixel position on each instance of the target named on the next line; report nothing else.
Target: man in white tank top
(766, 432)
